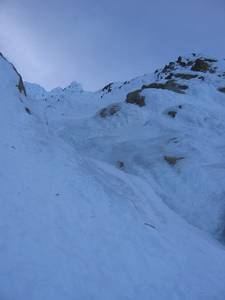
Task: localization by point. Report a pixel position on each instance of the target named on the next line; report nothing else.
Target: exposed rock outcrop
(172, 160)
(170, 85)
(109, 111)
(135, 97)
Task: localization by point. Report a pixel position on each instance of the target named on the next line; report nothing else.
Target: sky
(97, 41)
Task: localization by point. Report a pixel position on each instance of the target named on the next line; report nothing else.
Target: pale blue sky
(97, 41)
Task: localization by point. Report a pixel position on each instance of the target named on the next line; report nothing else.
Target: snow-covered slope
(109, 196)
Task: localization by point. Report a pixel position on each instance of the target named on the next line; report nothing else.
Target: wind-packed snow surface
(115, 194)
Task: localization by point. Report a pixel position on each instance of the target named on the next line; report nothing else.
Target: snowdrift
(104, 198)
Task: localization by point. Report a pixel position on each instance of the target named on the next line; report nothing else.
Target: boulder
(109, 111)
(221, 89)
(172, 160)
(200, 65)
(135, 97)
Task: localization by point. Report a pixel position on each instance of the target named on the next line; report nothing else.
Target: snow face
(121, 205)
(35, 91)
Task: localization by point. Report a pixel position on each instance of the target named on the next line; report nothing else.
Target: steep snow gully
(114, 194)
